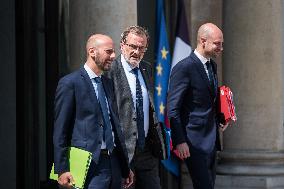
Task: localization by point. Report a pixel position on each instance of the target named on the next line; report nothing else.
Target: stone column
(253, 68)
(109, 17)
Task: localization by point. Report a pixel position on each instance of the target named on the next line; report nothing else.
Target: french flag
(182, 49)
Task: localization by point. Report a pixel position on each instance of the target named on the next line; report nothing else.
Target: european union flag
(162, 72)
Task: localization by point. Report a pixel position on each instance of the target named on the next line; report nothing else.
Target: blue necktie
(210, 74)
(139, 112)
(108, 138)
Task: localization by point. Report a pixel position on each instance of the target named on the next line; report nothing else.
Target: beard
(133, 60)
(213, 54)
(102, 64)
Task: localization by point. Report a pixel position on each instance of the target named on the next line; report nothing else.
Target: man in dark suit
(192, 107)
(85, 117)
(133, 85)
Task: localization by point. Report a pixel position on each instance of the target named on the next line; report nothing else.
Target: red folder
(226, 104)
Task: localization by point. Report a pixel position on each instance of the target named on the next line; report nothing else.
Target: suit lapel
(202, 72)
(89, 85)
(146, 77)
(122, 81)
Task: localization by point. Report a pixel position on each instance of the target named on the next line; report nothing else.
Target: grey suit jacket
(126, 111)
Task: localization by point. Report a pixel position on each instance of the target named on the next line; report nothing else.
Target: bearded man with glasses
(133, 85)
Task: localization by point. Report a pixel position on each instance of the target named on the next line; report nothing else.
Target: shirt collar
(201, 58)
(90, 72)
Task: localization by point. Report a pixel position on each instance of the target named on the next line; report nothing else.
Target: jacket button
(134, 134)
(101, 125)
(134, 119)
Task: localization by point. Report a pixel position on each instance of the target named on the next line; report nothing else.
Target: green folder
(79, 163)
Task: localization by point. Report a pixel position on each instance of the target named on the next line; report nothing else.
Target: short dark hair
(137, 30)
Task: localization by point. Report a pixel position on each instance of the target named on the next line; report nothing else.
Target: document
(79, 163)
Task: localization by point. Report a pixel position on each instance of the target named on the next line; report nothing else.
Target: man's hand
(128, 181)
(223, 127)
(183, 150)
(66, 180)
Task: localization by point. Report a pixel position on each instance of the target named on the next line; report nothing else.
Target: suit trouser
(146, 169)
(202, 168)
(106, 174)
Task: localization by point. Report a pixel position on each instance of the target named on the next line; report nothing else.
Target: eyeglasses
(135, 47)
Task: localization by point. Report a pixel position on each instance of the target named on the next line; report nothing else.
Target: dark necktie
(108, 138)
(139, 112)
(211, 76)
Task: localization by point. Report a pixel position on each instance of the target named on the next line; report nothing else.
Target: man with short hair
(192, 103)
(86, 118)
(133, 85)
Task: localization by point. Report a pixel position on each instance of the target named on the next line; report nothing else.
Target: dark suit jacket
(192, 105)
(79, 120)
(127, 115)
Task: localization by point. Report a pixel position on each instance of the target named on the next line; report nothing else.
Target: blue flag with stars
(162, 72)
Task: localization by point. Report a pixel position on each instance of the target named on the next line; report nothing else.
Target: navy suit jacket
(192, 105)
(79, 120)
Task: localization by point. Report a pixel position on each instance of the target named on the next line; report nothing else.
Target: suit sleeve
(179, 84)
(63, 125)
